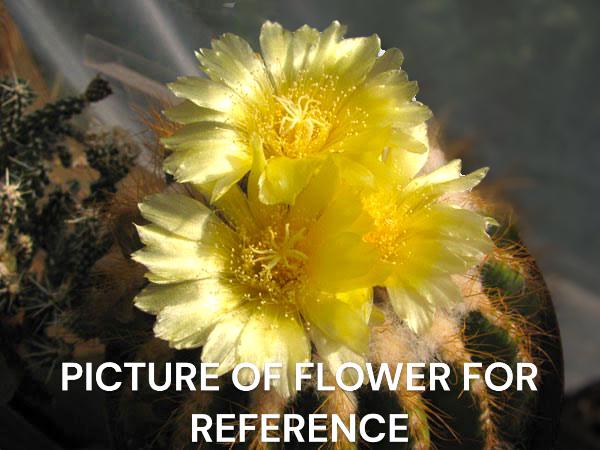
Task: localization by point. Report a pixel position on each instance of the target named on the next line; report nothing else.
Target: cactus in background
(51, 230)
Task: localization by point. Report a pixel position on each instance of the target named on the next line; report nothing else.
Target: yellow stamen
(300, 121)
(271, 265)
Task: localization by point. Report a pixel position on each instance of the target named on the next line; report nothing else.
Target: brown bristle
(160, 127)
(343, 404)
(195, 402)
(392, 344)
(264, 402)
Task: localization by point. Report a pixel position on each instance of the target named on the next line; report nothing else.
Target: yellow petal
(233, 62)
(174, 258)
(410, 114)
(401, 163)
(209, 164)
(155, 298)
(355, 57)
(240, 168)
(411, 307)
(392, 59)
(221, 345)
(413, 140)
(450, 173)
(359, 299)
(188, 112)
(206, 152)
(335, 354)
(438, 240)
(188, 325)
(353, 172)
(199, 136)
(347, 140)
(234, 204)
(205, 93)
(340, 321)
(342, 213)
(445, 180)
(303, 49)
(327, 45)
(260, 211)
(393, 85)
(344, 262)
(389, 99)
(317, 195)
(284, 178)
(275, 46)
(271, 336)
(416, 304)
(447, 172)
(285, 52)
(179, 214)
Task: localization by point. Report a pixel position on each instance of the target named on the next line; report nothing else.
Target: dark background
(513, 86)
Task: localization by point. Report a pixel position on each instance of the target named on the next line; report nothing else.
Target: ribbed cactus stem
(486, 415)
(481, 396)
(451, 348)
(15, 96)
(418, 419)
(511, 327)
(497, 313)
(391, 345)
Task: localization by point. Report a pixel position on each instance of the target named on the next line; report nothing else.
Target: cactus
(506, 316)
(504, 313)
(51, 230)
(85, 289)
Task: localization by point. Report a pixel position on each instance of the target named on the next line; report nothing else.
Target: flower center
(300, 120)
(390, 231)
(296, 126)
(271, 266)
(302, 127)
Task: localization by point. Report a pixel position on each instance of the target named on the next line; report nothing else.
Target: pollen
(271, 265)
(391, 226)
(301, 120)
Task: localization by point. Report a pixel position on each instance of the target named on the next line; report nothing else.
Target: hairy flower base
(424, 238)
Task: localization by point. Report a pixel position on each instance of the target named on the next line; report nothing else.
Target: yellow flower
(307, 97)
(425, 238)
(257, 283)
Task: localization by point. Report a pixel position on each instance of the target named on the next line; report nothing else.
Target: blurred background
(513, 85)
